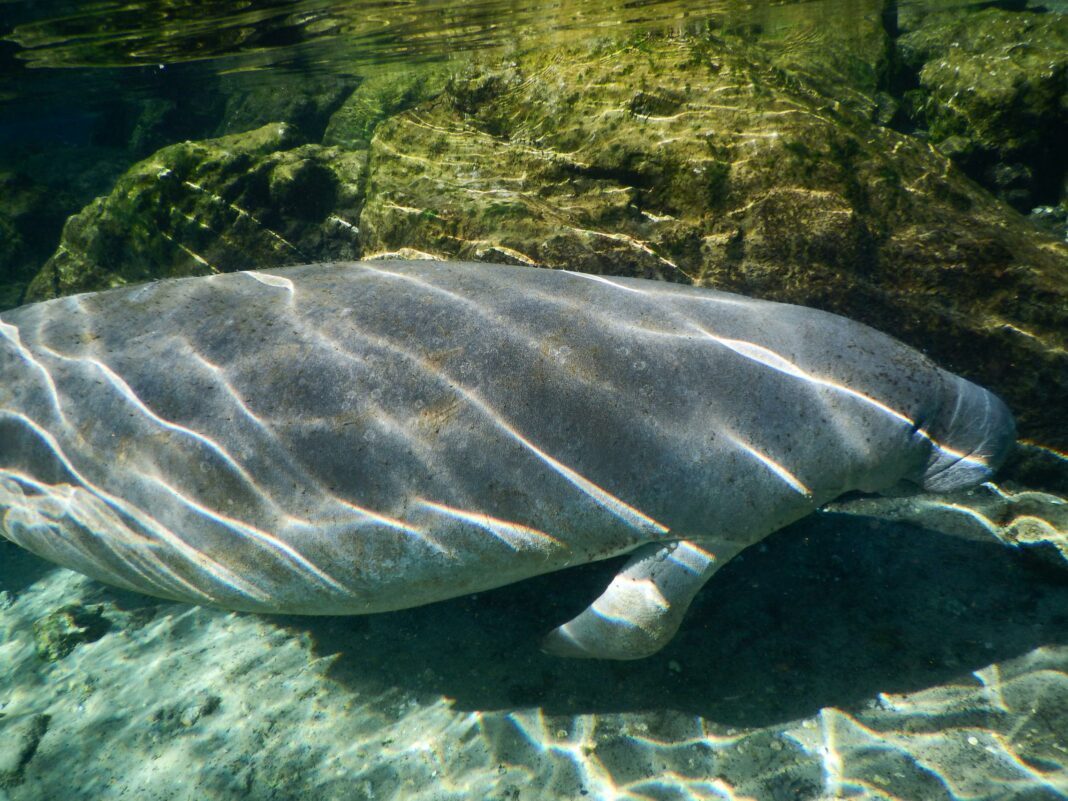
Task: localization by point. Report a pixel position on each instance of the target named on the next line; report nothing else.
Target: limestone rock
(993, 93)
(60, 632)
(250, 200)
(697, 160)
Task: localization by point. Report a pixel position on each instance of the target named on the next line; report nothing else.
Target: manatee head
(971, 436)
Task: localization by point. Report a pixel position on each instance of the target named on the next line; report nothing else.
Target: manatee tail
(970, 438)
(642, 608)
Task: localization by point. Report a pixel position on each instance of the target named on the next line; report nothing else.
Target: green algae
(993, 93)
(60, 632)
(711, 156)
(378, 97)
(239, 202)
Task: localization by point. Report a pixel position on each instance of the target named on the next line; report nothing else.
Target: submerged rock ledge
(692, 158)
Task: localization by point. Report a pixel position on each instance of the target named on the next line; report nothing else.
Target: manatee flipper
(642, 608)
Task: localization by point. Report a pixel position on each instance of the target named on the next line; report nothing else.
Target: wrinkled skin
(355, 438)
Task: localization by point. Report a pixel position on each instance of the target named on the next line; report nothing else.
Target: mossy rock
(304, 101)
(641, 159)
(379, 96)
(60, 632)
(994, 95)
(843, 48)
(13, 263)
(38, 191)
(251, 200)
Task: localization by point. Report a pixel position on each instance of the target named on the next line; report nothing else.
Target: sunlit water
(884, 649)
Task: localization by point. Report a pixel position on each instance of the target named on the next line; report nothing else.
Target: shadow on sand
(19, 569)
(828, 612)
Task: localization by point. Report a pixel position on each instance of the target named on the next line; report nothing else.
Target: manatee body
(354, 438)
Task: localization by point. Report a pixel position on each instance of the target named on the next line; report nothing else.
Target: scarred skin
(353, 438)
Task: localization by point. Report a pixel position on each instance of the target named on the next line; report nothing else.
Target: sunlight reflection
(791, 480)
(515, 535)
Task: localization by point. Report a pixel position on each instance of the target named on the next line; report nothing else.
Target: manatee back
(361, 437)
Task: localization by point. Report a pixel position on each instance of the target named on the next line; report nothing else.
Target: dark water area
(899, 163)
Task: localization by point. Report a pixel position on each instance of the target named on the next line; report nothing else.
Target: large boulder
(245, 201)
(699, 160)
(992, 92)
(693, 158)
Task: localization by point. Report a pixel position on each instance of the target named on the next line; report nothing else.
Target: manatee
(364, 437)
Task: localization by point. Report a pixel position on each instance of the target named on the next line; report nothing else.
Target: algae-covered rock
(12, 258)
(379, 96)
(697, 160)
(1052, 218)
(250, 200)
(689, 157)
(19, 740)
(842, 47)
(304, 101)
(993, 93)
(60, 632)
(38, 191)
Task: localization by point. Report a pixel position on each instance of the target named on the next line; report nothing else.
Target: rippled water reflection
(331, 34)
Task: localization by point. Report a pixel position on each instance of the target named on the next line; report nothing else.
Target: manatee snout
(970, 439)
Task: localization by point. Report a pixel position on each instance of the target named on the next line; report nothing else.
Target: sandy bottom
(863, 653)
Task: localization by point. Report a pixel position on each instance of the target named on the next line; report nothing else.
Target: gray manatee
(363, 437)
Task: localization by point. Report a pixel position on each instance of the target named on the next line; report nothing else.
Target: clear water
(882, 649)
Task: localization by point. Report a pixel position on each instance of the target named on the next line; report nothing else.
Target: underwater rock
(146, 111)
(195, 208)
(1052, 218)
(172, 719)
(753, 706)
(305, 101)
(39, 188)
(1032, 522)
(12, 263)
(60, 632)
(842, 47)
(993, 94)
(18, 744)
(694, 158)
(380, 96)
